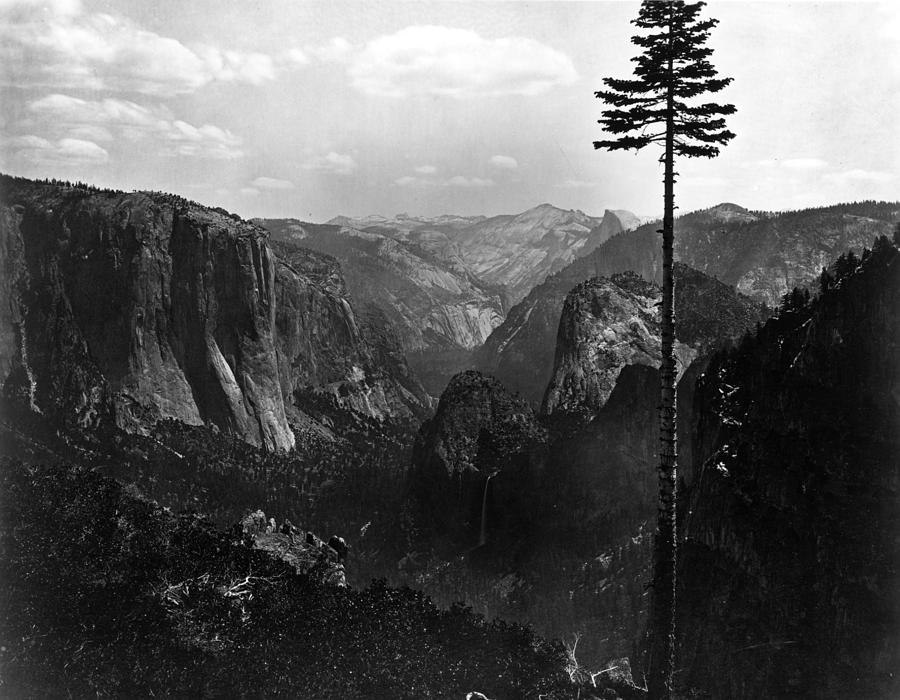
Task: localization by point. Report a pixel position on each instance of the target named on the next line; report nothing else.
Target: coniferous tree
(659, 105)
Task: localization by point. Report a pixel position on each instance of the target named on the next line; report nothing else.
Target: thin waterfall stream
(482, 537)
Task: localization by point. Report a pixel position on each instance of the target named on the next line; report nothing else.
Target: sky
(309, 109)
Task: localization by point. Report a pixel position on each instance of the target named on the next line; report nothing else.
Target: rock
(254, 523)
(476, 464)
(608, 323)
(339, 546)
(131, 308)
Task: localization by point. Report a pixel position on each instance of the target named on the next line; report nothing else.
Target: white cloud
(58, 45)
(272, 183)
(77, 117)
(249, 191)
(425, 170)
(91, 132)
(337, 163)
(433, 60)
(205, 141)
(858, 176)
(296, 57)
(67, 151)
(410, 181)
(462, 181)
(73, 110)
(504, 162)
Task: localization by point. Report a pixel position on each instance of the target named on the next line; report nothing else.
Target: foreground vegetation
(108, 595)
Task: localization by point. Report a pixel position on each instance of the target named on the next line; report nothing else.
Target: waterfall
(32, 382)
(482, 538)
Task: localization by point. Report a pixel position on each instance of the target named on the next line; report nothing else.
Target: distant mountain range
(447, 282)
(763, 255)
(512, 251)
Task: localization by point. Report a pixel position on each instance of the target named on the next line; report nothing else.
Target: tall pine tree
(660, 106)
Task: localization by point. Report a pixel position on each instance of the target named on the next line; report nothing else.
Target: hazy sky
(311, 109)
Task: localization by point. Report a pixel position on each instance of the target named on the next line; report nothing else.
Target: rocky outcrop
(608, 323)
(790, 561)
(131, 308)
(302, 551)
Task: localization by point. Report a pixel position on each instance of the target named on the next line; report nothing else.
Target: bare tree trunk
(662, 640)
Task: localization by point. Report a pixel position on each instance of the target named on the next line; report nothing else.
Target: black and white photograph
(450, 349)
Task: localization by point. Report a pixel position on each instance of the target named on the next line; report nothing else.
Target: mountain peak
(728, 211)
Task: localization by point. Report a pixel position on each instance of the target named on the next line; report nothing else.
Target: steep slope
(439, 309)
(790, 563)
(106, 594)
(480, 455)
(137, 307)
(763, 255)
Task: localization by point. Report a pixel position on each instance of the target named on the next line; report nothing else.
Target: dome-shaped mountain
(477, 459)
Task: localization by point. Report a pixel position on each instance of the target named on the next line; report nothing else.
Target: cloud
(296, 57)
(410, 181)
(336, 163)
(68, 151)
(79, 118)
(462, 181)
(504, 162)
(433, 60)
(272, 183)
(57, 45)
(425, 170)
(249, 191)
(858, 176)
(205, 141)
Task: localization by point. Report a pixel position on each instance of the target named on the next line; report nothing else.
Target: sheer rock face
(789, 568)
(322, 343)
(608, 323)
(137, 307)
(440, 309)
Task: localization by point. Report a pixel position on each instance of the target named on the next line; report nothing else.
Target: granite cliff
(608, 323)
(440, 310)
(131, 308)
